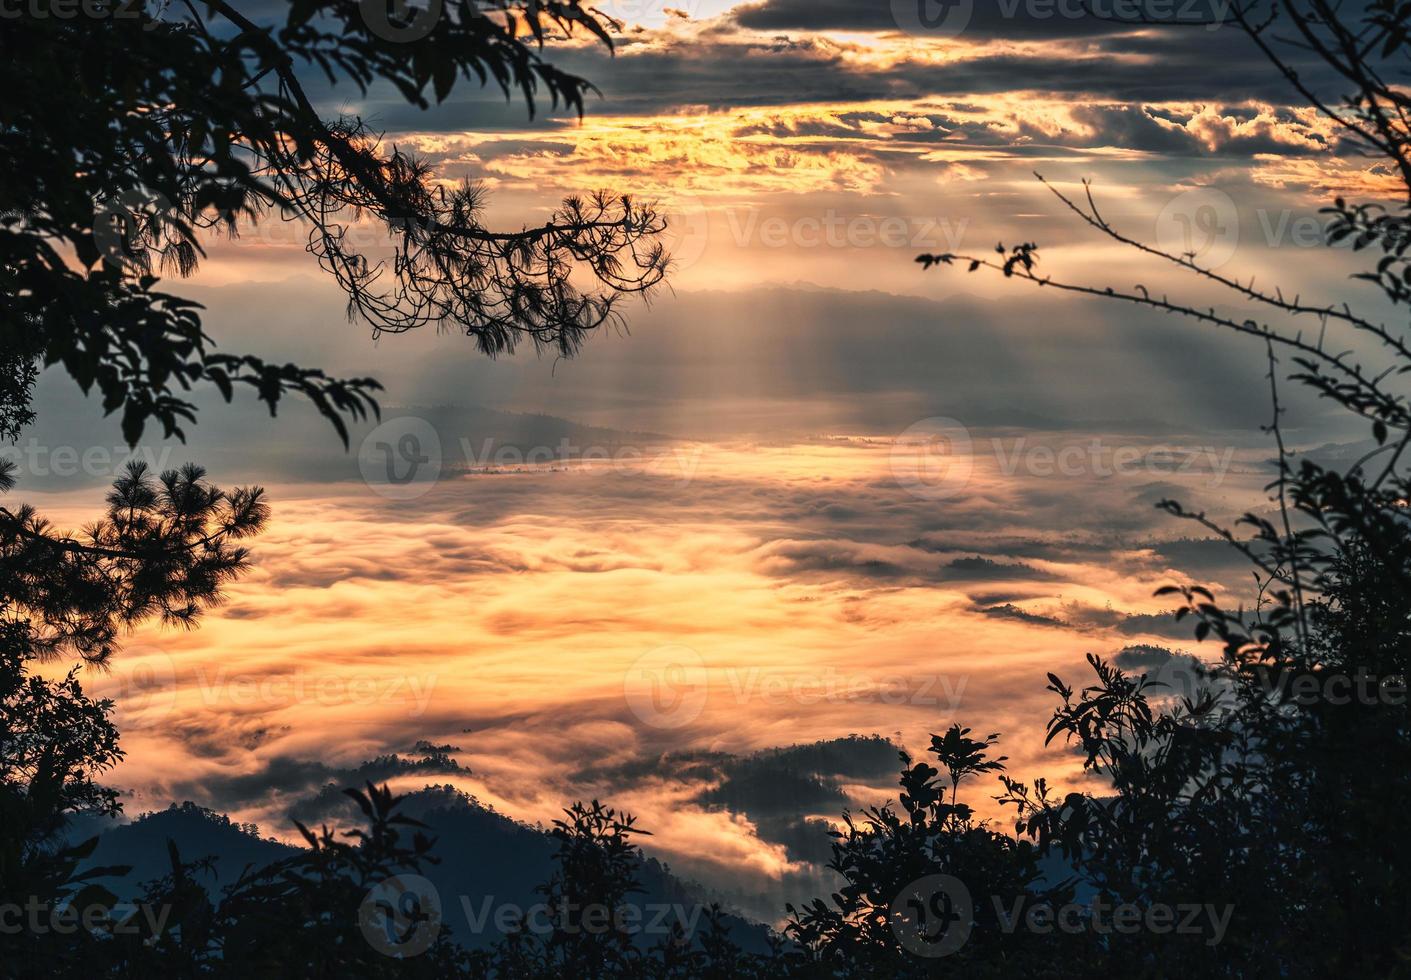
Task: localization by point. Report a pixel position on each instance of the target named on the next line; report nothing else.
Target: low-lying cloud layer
(592, 629)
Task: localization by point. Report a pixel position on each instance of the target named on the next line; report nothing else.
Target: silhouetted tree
(56, 744)
(128, 130)
(19, 369)
(164, 550)
(925, 884)
(1282, 790)
(1278, 792)
(129, 127)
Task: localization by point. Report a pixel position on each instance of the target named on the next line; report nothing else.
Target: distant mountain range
(487, 862)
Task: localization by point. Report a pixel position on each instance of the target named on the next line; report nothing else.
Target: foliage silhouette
(1279, 788)
(55, 746)
(179, 119)
(128, 131)
(164, 550)
(1278, 792)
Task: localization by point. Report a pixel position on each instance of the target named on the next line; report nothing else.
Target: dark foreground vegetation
(1257, 827)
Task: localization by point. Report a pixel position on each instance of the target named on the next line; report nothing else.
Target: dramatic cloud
(522, 619)
(813, 492)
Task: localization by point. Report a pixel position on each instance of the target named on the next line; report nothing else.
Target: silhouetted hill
(489, 865)
(197, 833)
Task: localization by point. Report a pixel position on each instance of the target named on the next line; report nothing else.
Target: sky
(811, 490)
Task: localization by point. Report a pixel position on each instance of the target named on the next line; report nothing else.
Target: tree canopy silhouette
(1276, 795)
(131, 129)
(1280, 787)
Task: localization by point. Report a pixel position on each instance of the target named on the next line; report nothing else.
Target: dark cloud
(781, 791)
(1162, 624)
(1093, 619)
(1026, 19)
(795, 558)
(312, 788)
(1202, 557)
(737, 68)
(1144, 657)
(978, 568)
(781, 361)
(1010, 611)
